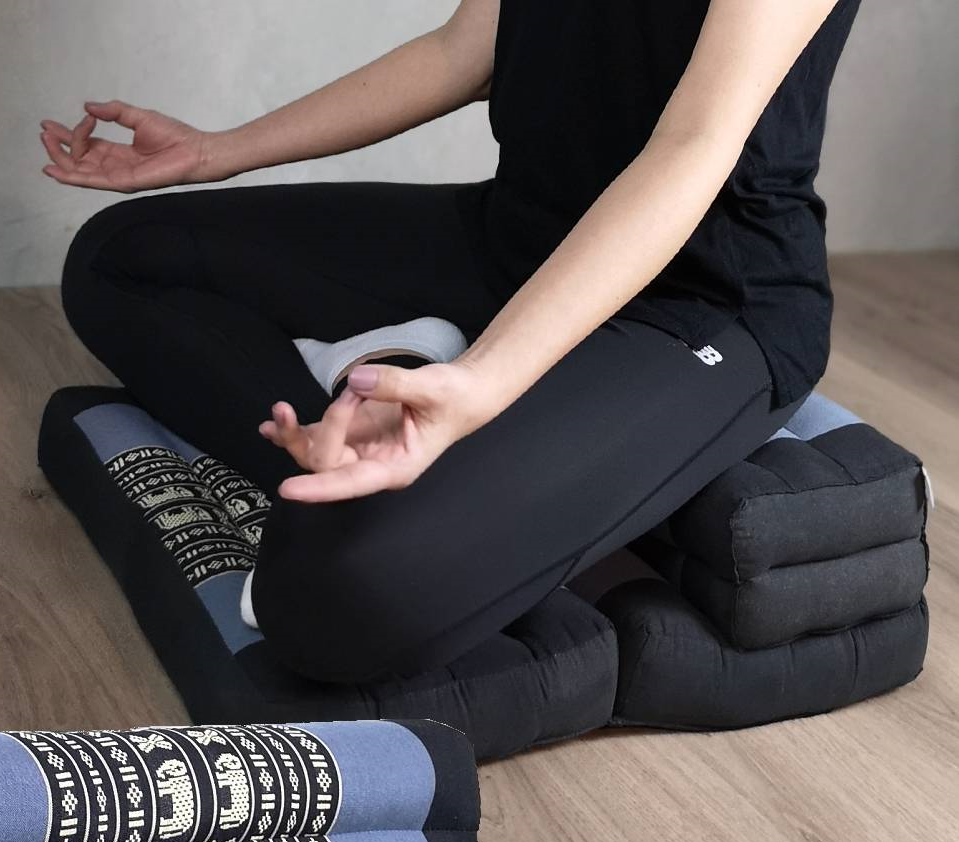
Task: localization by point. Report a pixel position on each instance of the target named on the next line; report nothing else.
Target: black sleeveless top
(577, 88)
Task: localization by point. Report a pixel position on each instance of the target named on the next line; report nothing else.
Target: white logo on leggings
(709, 355)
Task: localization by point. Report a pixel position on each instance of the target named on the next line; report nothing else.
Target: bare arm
(422, 79)
(642, 219)
(425, 78)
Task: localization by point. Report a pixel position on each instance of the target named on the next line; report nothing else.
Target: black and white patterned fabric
(230, 783)
(210, 518)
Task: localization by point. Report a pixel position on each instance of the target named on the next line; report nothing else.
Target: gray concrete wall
(890, 169)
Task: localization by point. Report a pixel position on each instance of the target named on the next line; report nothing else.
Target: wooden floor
(72, 656)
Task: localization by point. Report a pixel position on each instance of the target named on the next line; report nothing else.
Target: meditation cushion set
(790, 585)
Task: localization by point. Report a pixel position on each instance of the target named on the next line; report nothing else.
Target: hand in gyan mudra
(382, 432)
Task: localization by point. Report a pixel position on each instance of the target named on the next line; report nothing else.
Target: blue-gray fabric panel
(818, 415)
(221, 596)
(24, 797)
(115, 427)
(388, 781)
(783, 433)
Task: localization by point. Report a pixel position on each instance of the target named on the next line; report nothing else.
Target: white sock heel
(432, 338)
(246, 601)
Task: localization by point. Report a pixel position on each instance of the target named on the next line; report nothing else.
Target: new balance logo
(709, 355)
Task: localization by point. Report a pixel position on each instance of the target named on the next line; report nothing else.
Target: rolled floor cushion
(365, 780)
(819, 529)
(180, 530)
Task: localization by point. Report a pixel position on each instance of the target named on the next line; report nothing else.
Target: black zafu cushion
(179, 530)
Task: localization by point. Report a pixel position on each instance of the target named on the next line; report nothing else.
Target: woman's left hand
(384, 429)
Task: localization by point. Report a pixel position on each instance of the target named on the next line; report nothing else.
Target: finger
(78, 142)
(117, 111)
(268, 430)
(80, 178)
(271, 429)
(287, 424)
(357, 479)
(57, 153)
(387, 383)
(329, 436)
(58, 130)
(290, 434)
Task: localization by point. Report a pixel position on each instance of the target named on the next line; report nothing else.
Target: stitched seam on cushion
(843, 468)
(647, 633)
(823, 633)
(855, 669)
(550, 656)
(734, 625)
(734, 520)
(830, 484)
(771, 472)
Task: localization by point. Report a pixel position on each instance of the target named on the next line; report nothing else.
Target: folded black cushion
(806, 535)
(784, 603)
(180, 530)
(678, 671)
(828, 485)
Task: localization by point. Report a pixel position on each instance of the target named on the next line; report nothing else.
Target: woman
(643, 286)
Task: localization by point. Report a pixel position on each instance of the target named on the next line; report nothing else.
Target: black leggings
(192, 298)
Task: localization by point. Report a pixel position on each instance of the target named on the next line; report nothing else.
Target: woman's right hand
(164, 151)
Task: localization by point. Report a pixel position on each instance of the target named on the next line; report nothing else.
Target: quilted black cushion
(793, 583)
(678, 671)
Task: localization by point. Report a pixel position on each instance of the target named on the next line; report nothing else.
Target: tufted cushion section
(790, 585)
(180, 531)
(678, 671)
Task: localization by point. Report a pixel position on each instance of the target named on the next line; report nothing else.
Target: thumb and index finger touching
(70, 167)
(116, 111)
